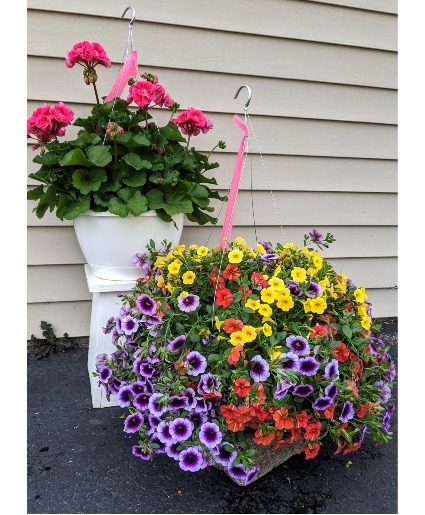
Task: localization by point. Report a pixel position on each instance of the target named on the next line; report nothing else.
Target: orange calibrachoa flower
(301, 420)
(312, 431)
(216, 280)
(365, 409)
(258, 278)
(235, 355)
(329, 412)
(232, 272)
(242, 387)
(282, 421)
(264, 439)
(311, 451)
(224, 297)
(232, 325)
(341, 353)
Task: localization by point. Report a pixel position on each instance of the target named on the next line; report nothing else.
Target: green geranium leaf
(118, 207)
(99, 156)
(48, 159)
(75, 158)
(84, 139)
(137, 204)
(102, 199)
(69, 209)
(200, 196)
(200, 218)
(177, 199)
(116, 172)
(47, 201)
(135, 178)
(155, 199)
(172, 133)
(129, 201)
(86, 180)
(135, 162)
(35, 193)
(141, 140)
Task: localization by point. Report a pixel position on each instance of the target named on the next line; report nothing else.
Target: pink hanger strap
(234, 188)
(129, 69)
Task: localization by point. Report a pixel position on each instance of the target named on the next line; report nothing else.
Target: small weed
(50, 343)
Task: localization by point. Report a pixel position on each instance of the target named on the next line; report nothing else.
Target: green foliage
(50, 343)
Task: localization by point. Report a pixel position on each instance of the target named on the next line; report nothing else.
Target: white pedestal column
(105, 303)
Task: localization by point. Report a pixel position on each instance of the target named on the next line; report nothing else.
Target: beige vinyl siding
(324, 110)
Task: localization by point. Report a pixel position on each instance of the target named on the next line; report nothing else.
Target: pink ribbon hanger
(237, 174)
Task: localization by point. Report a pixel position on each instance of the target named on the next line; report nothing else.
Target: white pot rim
(107, 213)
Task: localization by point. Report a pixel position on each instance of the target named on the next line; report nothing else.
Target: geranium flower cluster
(192, 122)
(220, 347)
(149, 93)
(48, 122)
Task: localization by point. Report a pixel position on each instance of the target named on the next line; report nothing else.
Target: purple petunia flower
(124, 397)
(129, 325)
(118, 328)
(250, 475)
(294, 289)
(154, 421)
(201, 405)
(155, 406)
(133, 423)
(237, 472)
(188, 303)
(141, 261)
(268, 247)
(391, 374)
(290, 361)
(141, 401)
(159, 447)
(140, 452)
(208, 383)
(384, 390)
(210, 435)
(260, 371)
(151, 320)
(146, 304)
(115, 385)
(331, 369)
(282, 389)
(177, 344)
(269, 257)
(331, 391)
(308, 366)
(190, 395)
(315, 235)
(375, 345)
(138, 387)
(303, 390)
(176, 403)
(163, 431)
(347, 412)
(101, 360)
(105, 374)
(321, 403)
(197, 419)
(224, 457)
(195, 363)
(171, 450)
(362, 433)
(181, 429)
(191, 459)
(298, 345)
(143, 367)
(386, 421)
(109, 326)
(313, 290)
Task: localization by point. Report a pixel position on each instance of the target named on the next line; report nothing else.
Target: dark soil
(79, 461)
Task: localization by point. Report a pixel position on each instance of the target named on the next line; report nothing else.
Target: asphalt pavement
(79, 461)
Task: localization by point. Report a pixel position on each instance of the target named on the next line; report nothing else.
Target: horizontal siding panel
(290, 19)
(74, 317)
(385, 6)
(66, 317)
(43, 283)
(245, 54)
(215, 92)
(298, 173)
(289, 136)
(368, 272)
(293, 208)
(59, 245)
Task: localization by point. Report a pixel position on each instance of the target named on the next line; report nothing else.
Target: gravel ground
(79, 461)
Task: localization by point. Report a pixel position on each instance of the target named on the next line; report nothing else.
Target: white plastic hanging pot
(109, 242)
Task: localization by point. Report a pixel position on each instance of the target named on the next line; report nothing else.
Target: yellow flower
(235, 256)
(362, 310)
(276, 352)
(265, 310)
(178, 249)
(205, 332)
(307, 306)
(161, 281)
(260, 249)
(219, 338)
(305, 252)
(268, 295)
(249, 333)
(299, 274)
(267, 330)
(276, 284)
(289, 246)
(202, 251)
(366, 323)
(341, 287)
(170, 287)
(188, 277)
(218, 323)
(285, 303)
(240, 242)
(277, 271)
(174, 267)
(318, 305)
(252, 304)
(183, 293)
(317, 261)
(160, 262)
(237, 338)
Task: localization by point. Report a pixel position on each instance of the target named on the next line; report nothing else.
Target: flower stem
(115, 150)
(95, 92)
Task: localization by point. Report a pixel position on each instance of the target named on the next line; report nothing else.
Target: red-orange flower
(318, 330)
(235, 425)
(242, 387)
(364, 410)
(258, 278)
(311, 452)
(216, 280)
(353, 387)
(224, 297)
(260, 394)
(231, 272)
(341, 353)
(302, 419)
(235, 355)
(231, 325)
(265, 439)
(312, 431)
(281, 419)
(329, 412)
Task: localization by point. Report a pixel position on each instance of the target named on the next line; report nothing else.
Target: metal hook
(130, 25)
(249, 95)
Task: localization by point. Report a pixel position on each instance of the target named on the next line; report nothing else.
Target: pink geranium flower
(88, 54)
(192, 122)
(47, 122)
